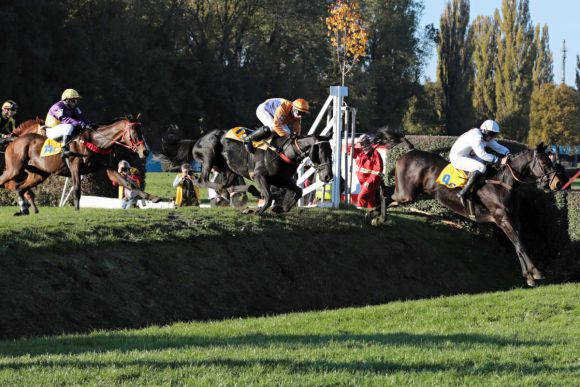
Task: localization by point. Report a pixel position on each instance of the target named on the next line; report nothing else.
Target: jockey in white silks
(468, 153)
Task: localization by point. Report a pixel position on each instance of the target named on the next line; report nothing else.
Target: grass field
(518, 337)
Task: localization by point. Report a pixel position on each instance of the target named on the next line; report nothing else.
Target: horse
(416, 172)
(91, 150)
(207, 150)
(30, 126)
(276, 168)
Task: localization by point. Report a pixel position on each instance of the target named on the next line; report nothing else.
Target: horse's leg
(292, 187)
(529, 271)
(76, 182)
(22, 204)
(265, 191)
(29, 196)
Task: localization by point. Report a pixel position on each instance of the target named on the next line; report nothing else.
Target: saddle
(239, 133)
(452, 177)
(50, 147)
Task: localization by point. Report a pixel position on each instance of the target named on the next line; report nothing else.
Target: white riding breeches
(267, 120)
(59, 130)
(468, 164)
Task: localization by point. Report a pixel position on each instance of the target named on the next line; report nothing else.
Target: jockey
(280, 116)
(369, 168)
(476, 140)
(64, 117)
(7, 123)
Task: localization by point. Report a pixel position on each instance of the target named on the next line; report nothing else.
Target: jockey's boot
(471, 180)
(65, 151)
(258, 134)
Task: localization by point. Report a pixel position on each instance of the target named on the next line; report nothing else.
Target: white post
(338, 93)
(62, 201)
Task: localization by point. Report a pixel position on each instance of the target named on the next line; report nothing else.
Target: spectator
(187, 193)
(127, 196)
(369, 168)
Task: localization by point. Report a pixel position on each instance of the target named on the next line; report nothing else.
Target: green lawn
(521, 337)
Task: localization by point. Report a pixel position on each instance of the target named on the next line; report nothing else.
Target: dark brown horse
(416, 172)
(91, 150)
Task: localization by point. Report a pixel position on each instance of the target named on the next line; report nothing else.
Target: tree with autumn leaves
(348, 34)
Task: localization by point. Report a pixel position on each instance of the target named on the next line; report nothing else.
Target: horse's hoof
(538, 275)
(277, 209)
(531, 282)
(21, 213)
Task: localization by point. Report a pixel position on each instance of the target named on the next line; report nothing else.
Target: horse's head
(539, 166)
(130, 136)
(321, 156)
(543, 169)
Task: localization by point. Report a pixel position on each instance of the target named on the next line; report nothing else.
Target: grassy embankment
(518, 337)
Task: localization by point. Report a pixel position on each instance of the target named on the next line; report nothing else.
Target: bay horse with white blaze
(416, 172)
(91, 149)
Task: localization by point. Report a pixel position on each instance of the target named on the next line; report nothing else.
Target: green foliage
(515, 60)
(397, 51)
(424, 114)
(543, 64)
(554, 115)
(454, 71)
(518, 337)
(482, 40)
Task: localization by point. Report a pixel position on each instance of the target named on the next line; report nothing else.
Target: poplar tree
(543, 65)
(513, 75)
(454, 69)
(482, 39)
(578, 73)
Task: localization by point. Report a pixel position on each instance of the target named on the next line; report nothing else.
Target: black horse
(207, 150)
(277, 168)
(416, 172)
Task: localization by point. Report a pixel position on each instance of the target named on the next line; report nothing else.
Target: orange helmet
(301, 105)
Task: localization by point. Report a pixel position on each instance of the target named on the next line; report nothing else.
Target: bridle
(546, 178)
(126, 135)
(301, 154)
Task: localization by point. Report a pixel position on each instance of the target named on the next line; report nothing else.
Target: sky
(561, 16)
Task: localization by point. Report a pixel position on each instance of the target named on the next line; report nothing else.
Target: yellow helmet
(70, 94)
(9, 104)
(301, 105)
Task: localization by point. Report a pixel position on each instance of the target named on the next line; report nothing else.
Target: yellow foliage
(347, 32)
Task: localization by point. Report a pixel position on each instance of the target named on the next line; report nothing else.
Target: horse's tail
(392, 137)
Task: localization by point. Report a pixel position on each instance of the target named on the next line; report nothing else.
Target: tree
(454, 66)
(348, 34)
(425, 113)
(513, 75)
(397, 51)
(482, 41)
(554, 115)
(543, 65)
(578, 73)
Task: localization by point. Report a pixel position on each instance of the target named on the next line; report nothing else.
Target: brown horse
(91, 150)
(416, 172)
(29, 126)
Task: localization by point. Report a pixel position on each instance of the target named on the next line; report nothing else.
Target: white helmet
(490, 126)
(123, 164)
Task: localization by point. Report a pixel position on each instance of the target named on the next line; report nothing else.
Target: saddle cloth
(50, 148)
(452, 177)
(239, 133)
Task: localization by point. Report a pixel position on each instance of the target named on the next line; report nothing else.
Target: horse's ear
(138, 116)
(541, 147)
(323, 138)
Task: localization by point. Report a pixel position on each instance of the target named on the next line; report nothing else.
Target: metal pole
(61, 202)
(352, 137)
(338, 92)
(346, 157)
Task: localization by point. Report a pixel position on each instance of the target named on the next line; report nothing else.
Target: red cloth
(368, 171)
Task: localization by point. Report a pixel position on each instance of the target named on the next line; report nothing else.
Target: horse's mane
(387, 135)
